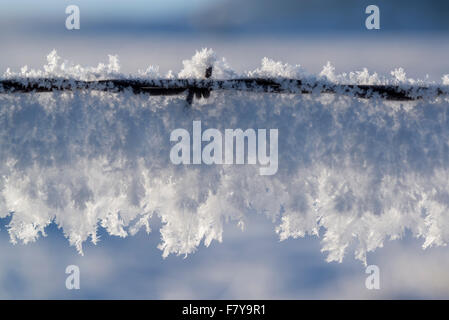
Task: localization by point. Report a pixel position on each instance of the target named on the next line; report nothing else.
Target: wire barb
(205, 93)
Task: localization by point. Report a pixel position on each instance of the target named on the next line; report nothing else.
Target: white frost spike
(277, 69)
(197, 65)
(445, 80)
(56, 67)
(328, 72)
(151, 72)
(52, 62)
(399, 75)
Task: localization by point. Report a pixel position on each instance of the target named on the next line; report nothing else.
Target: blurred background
(414, 35)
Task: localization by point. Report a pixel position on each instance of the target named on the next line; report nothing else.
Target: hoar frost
(353, 172)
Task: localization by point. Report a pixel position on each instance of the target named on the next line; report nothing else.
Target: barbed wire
(201, 88)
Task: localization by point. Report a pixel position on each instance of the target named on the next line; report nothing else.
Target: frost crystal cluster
(353, 172)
